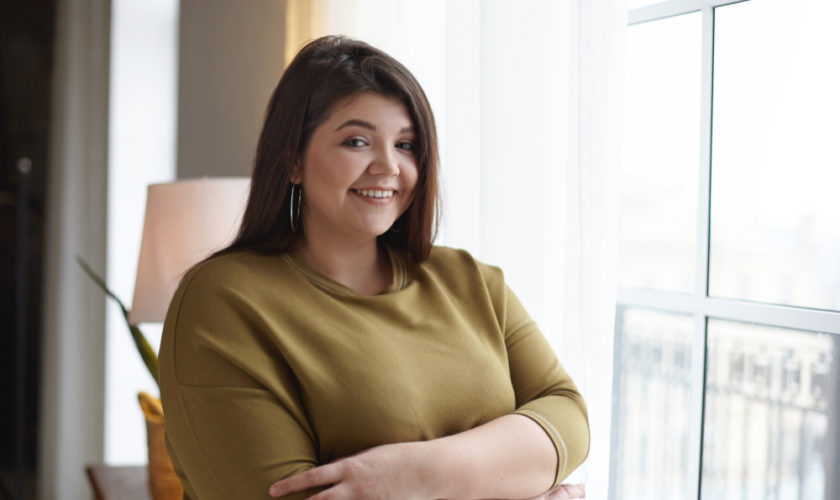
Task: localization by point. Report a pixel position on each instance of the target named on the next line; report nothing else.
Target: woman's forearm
(509, 457)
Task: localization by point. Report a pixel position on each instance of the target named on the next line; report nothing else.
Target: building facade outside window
(727, 350)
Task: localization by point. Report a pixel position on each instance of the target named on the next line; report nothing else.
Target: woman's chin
(374, 230)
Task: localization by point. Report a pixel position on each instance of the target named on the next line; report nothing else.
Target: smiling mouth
(375, 193)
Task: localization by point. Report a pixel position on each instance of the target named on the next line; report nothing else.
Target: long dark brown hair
(325, 72)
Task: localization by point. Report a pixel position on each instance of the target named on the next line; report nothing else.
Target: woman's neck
(363, 267)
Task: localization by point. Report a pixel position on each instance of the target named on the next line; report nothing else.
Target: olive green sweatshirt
(268, 368)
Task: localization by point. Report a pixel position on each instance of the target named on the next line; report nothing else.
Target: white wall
(144, 38)
(231, 57)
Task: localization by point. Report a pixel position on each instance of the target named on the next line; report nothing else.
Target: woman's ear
(297, 174)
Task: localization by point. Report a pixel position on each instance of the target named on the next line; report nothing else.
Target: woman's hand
(393, 471)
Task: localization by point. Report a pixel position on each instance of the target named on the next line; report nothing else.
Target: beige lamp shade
(185, 222)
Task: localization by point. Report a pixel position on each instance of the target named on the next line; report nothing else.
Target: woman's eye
(406, 145)
(355, 143)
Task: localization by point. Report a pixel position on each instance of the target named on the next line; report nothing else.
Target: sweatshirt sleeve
(234, 420)
(544, 391)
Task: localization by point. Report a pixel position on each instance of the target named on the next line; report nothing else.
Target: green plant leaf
(143, 347)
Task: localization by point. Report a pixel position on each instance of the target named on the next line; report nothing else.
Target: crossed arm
(509, 457)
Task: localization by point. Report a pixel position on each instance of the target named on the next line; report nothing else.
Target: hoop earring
(294, 213)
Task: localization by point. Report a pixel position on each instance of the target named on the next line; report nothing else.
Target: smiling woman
(358, 176)
(331, 350)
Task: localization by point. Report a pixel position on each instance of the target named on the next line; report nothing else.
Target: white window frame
(698, 304)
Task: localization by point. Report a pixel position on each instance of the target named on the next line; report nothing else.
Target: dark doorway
(26, 62)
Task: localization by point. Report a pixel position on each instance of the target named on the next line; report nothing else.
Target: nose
(384, 163)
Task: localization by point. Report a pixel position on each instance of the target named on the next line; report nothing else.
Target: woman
(330, 348)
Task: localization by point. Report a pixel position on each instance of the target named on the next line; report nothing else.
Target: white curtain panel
(591, 217)
(526, 96)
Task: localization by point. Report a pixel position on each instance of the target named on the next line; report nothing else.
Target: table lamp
(186, 221)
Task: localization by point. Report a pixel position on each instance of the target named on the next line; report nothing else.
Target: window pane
(659, 174)
(772, 413)
(651, 407)
(775, 234)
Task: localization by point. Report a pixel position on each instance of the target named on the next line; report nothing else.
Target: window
(727, 351)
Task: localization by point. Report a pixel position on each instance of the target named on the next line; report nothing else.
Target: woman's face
(359, 170)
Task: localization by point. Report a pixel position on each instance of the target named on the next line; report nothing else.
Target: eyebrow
(361, 123)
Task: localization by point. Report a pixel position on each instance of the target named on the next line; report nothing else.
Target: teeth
(375, 193)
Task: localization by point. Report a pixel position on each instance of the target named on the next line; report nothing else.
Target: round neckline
(398, 272)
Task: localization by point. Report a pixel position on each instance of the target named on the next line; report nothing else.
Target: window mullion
(671, 8)
(775, 315)
(779, 316)
(704, 182)
(701, 275)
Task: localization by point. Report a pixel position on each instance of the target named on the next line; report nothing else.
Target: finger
(317, 476)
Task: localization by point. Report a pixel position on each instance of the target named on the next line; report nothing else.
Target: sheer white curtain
(527, 101)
